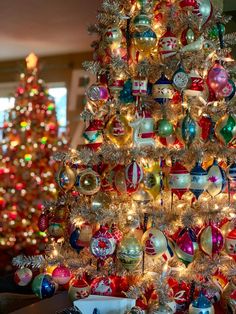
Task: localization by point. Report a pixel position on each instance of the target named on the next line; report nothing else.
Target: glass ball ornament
(78, 289)
(73, 239)
(203, 11)
(134, 173)
(103, 286)
(113, 34)
(199, 180)
(164, 128)
(145, 40)
(154, 242)
(118, 130)
(167, 45)
(186, 245)
(88, 182)
(227, 92)
(43, 222)
(230, 244)
(101, 201)
(142, 21)
(102, 244)
(187, 129)
(225, 129)
(152, 179)
(217, 77)
(97, 93)
(23, 276)
(180, 79)
(195, 87)
(201, 305)
(129, 252)
(216, 179)
(120, 183)
(61, 275)
(211, 240)
(179, 179)
(65, 178)
(56, 229)
(43, 286)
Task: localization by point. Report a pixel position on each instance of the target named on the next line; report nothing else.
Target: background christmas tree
(30, 137)
(148, 205)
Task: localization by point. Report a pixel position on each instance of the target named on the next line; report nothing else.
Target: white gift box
(105, 304)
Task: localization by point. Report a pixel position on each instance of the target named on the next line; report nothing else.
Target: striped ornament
(179, 179)
(231, 172)
(211, 240)
(216, 179)
(134, 173)
(186, 245)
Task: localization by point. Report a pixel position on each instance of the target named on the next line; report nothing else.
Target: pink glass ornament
(217, 77)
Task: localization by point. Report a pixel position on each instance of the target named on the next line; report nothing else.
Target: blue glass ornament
(43, 286)
(126, 95)
(231, 172)
(162, 90)
(188, 129)
(74, 240)
(201, 306)
(199, 180)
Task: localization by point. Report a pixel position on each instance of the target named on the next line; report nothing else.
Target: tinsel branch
(36, 261)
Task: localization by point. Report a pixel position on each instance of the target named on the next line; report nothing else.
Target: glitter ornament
(43, 222)
(61, 275)
(23, 276)
(179, 179)
(167, 45)
(65, 178)
(103, 286)
(88, 182)
(113, 34)
(230, 244)
(118, 130)
(216, 179)
(164, 128)
(187, 36)
(97, 93)
(225, 129)
(154, 242)
(217, 77)
(180, 79)
(93, 134)
(43, 286)
(102, 244)
(162, 90)
(134, 173)
(129, 252)
(231, 172)
(199, 180)
(186, 245)
(211, 240)
(196, 86)
(201, 305)
(145, 40)
(78, 289)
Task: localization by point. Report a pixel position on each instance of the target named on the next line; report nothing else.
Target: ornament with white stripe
(134, 173)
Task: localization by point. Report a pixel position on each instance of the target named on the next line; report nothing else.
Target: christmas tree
(30, 137)
(148, 201)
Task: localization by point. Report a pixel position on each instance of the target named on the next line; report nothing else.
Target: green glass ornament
(164, 128)
(225, 129)
(214, 32)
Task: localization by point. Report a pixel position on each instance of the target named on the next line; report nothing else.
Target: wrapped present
(104, 304)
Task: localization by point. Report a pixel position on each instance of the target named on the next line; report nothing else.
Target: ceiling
(49, 27)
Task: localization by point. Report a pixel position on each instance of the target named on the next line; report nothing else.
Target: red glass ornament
(103, 286)
(43, 222)
(205, 123)
(179, 180)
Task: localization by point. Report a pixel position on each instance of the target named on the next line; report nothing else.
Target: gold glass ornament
(88, 182)
(152, 179)
(129, 252)
(142, 196)
(145, 40)
(100, 201)
(118, 130)
(65, 178)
